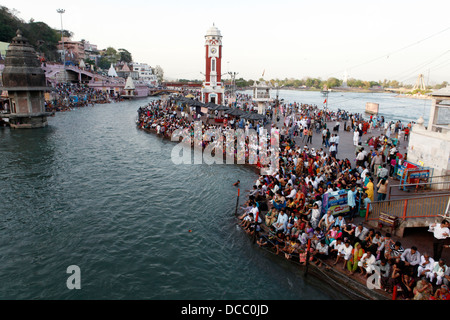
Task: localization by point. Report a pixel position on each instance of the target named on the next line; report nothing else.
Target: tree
(9, 23)
(125, 56)
(159, 72)
(111, 55)
(39, 34)
(103, 63)
(44, 38)
(333, 82)
(442, 85)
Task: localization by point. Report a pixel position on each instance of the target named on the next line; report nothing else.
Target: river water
(92, 190)
(391, 107)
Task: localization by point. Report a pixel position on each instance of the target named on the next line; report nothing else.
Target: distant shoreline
(319, 90)
(353, 90)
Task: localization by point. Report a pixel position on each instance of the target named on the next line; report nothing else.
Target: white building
(430, 146)
(261, 95)
(146, 74)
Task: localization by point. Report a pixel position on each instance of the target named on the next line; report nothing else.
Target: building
(126, 72)
(213, 89)
(25, 81)
(261, 95)
(146, 74)
(74, 50)
(91, 51)
(129, 88)
(430, 146)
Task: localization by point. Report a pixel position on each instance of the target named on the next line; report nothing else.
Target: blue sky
(373, 40)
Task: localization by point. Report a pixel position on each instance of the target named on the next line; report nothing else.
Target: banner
(336, 202)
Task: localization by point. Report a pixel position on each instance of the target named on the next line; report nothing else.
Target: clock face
(213, 50)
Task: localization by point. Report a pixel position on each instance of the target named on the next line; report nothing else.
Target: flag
(325, 101)
(264, 72)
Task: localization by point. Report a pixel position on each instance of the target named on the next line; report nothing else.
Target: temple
(25, 81)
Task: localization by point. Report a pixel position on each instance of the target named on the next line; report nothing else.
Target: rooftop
(444, 92)
(213, 31)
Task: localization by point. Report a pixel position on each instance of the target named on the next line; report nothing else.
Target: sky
(368, 40)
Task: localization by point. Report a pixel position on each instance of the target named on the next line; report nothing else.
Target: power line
(394, 52)
(420, 66)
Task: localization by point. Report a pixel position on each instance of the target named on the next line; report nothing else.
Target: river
(92, 190)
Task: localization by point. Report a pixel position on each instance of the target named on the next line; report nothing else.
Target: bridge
(397, 90)
(159, 91)
(53, 73)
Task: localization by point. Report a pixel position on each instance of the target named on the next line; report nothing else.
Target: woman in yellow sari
(369, 189)
(357, 253)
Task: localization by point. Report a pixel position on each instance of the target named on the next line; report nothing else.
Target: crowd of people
(285, 210)
(164, 117)
(67, 96)
(295, 226)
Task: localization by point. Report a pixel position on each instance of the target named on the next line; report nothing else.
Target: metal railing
(417, 207)
(434, 185)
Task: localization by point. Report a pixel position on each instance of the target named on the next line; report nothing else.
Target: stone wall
(430, 148)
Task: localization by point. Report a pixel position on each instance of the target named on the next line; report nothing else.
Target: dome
(22, 66)
(213, 31)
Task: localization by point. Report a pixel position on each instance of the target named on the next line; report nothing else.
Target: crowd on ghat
(284, 210)
(67, 96)
(293, 200)
(164, 117)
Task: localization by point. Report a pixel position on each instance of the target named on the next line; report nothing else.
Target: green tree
(333, 82)
(9, 23)
(103, 63)
(43, 38)
(40, 35)
(442, 85)
(125, 56)
(111, 55)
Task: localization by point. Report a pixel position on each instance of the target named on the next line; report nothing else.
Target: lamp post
(61, 11)
(233, 85)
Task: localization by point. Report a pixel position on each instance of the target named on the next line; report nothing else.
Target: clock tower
(213, 89)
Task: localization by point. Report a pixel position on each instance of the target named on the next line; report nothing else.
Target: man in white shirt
(280, 224)
(367, 263)
(364, 173)
(360, 158)
(332, 139)
(292, 193)
(425, 266)
(440, 233)
(333, 150)
(345, 251)
(438, 271)
(334, 247)
(327, 221)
